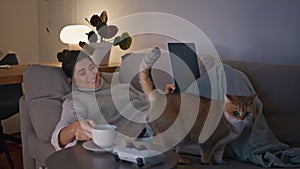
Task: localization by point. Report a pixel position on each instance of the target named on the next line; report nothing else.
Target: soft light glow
(72, 34)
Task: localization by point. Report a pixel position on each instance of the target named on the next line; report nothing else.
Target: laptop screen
(184, 63)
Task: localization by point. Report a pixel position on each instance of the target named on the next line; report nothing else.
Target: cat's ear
(228, 98)
(252, 97)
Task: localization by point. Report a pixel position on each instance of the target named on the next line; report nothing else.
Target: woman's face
(86, 74)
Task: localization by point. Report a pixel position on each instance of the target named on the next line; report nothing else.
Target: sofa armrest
(26, 129)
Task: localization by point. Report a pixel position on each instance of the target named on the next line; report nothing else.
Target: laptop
(184, 63)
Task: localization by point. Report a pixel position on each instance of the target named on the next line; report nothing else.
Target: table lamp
(72, 34)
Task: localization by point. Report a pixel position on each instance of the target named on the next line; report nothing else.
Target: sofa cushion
(129, 71)
(44, 88)
(161, 72)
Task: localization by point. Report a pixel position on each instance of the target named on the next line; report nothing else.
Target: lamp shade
(72, 34)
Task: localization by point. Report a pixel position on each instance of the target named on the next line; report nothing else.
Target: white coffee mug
(104, 135)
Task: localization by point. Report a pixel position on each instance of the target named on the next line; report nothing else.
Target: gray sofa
(44, 87)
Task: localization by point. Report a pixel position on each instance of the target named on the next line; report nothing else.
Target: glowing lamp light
(72, 34)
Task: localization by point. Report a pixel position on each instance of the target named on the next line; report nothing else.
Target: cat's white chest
(237, 127)
(237, 124)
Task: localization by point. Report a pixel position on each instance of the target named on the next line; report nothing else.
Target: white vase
(101, 53)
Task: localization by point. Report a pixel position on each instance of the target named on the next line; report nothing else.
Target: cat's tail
(145, 76)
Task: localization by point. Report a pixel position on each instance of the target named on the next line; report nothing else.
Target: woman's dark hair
(69, 59)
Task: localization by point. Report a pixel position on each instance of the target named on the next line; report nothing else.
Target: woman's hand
(83, 129)
(79, 130)
(169, 88)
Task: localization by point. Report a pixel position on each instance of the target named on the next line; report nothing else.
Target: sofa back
(277, 86)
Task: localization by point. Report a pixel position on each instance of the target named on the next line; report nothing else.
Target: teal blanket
(257, 144)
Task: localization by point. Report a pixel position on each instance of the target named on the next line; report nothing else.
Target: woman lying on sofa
(91, 94)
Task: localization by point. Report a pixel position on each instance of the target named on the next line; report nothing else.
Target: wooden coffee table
(78, 158)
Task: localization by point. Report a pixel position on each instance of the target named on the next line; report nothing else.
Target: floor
(15, 151)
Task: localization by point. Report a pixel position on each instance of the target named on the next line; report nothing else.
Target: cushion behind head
(44, 88)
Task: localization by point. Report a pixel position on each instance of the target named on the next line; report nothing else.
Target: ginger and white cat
(238, 112)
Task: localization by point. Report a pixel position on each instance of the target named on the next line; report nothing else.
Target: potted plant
(103, 37)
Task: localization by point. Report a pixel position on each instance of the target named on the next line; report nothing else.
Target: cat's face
(239, 109)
